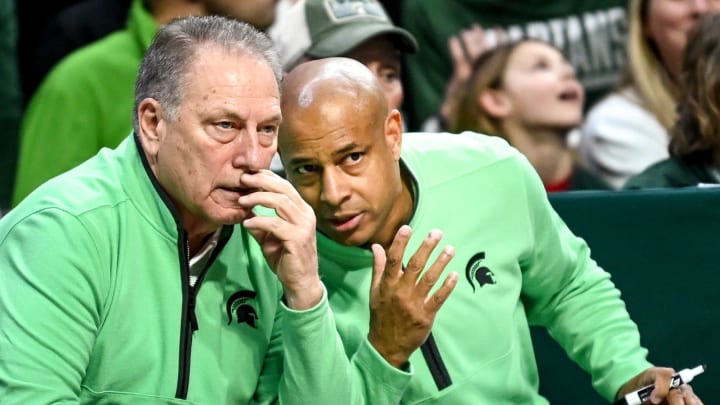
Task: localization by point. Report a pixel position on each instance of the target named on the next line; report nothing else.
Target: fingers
(431, 276)
(260, 224)
(284, 205)
(393, 266)
(663, 378)
(390, 269)
(417, 262)
(683, 395)
(664, 392)
(474, 42)
(266, 180)
(434, 302)
(274, 200)
(379, 261)
(283, 230)
(263, 179)
(465, 48)
(500, 36)
(457, 55)
(278, 194)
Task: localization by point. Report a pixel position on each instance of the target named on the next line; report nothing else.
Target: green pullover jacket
(96, 307)
(519, 265)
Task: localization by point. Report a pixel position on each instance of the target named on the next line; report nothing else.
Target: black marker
(643, 394)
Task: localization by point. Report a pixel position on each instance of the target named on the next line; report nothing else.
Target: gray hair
(163, 70)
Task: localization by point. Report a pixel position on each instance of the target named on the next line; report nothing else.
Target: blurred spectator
(10, 100)
(591, 34)
(281, 7)
(358, 29)
(259, 13)
(628, 131)
(526, 92)
(85, 101)
(74, 27)
(695, 138)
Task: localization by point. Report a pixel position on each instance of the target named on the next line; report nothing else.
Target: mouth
(239, 191)
(569, 95)
(344, 223)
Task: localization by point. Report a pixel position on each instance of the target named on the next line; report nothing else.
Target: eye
(354, 157)
(223, 131)
(269, 129)
(389, 75)
(306, 169)
(267, 134)
(541, 65)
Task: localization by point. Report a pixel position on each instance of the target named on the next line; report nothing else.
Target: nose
(334, 188)
(568, 70)
(248, 154)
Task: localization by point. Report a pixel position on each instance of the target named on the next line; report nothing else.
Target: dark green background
(662, 249)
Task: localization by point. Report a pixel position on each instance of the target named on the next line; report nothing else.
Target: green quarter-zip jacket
(519, 265)
(96, 307)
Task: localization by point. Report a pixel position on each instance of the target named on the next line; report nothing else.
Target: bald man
(520, 264)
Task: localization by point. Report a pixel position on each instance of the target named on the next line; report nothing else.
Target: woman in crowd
(526, 92)
(695, 138)
(628, 130)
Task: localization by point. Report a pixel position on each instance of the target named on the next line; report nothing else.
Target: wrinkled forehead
(326, 127)
(214, 71)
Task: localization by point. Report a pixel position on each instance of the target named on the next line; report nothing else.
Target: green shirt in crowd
(84, 104)
(675, 172)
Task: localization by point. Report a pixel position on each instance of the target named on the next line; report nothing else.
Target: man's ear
(495, 103)
(394, 132)
(150, 123)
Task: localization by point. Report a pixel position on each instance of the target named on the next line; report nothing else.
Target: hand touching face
(226, 125)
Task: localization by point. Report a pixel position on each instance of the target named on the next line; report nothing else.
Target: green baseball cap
(325, 28)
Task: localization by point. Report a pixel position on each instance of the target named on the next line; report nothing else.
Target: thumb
(656, 397)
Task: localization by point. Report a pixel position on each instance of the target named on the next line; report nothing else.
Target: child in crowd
(526, 92)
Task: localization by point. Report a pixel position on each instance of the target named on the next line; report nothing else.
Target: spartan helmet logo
(475, 272)
(240, 307)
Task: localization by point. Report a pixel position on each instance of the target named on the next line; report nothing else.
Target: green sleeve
(59, 131)
(317, 370)
(50, 297)
(379, 376)
(565, 290)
